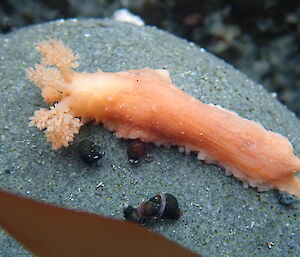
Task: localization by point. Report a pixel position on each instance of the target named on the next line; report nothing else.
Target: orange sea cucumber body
(145, 104)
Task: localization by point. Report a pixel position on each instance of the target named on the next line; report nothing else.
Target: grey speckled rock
(220, 217)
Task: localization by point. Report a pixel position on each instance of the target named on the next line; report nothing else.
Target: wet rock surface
(220, 217)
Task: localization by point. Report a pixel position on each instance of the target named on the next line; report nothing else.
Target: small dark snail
(159, 206)
(89, 152)
(286, 199)
(131, 214)
(136, 149)
(6, 25)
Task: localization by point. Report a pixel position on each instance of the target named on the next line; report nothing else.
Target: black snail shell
(159, 206)
(89, 152)
(171, 209)
(136, 149)
(167, 206)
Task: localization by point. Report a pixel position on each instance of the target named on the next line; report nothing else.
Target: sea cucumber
(145, 104)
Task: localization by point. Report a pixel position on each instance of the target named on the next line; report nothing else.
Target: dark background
(259, 37)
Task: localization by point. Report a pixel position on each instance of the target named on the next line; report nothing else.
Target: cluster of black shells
(158, 207)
